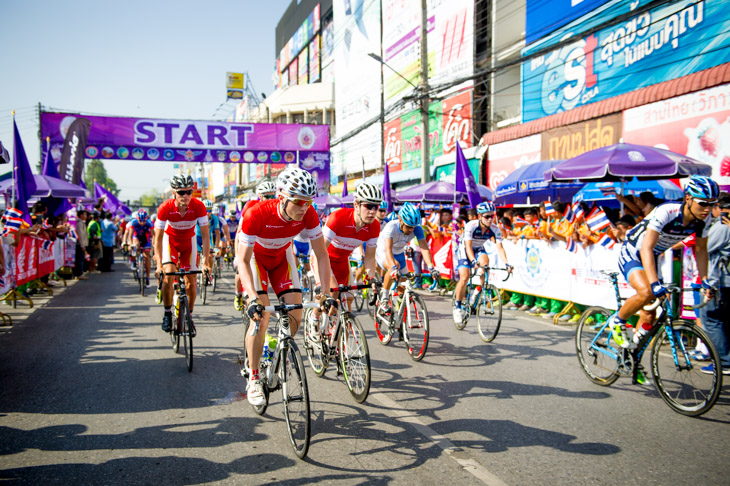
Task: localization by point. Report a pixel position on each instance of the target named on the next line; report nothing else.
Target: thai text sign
(572, 140)
(667, 42)
(190, 140)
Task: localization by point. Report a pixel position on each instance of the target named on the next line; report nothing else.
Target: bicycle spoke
(597, 358)
(296, 398)
(355, 357)
(489, 314)
(416, 327)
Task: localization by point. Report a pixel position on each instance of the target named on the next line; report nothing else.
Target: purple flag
(465, 179)
(23, 176)
(387, 196)
(74, 149)
(111, 203)
(49, 166)
(344, 187)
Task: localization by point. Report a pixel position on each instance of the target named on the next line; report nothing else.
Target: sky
(153, 58)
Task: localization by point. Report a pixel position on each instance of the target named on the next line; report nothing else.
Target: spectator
(81, 243)
(108, 235)
(94, 232)
(472, 214)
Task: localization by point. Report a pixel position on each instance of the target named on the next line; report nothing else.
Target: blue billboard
(656, 45)
(544, 16)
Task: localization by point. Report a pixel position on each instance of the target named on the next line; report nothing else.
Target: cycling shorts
(183, 252)
(144, 242)
(279, 271)
(630, 260)
(464, 262)
(301, 248)
(341, 271)
(399, 257)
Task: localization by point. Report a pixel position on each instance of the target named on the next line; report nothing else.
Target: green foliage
(96, 172)
(150, 198)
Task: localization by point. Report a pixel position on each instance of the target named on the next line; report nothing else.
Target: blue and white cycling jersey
(478, 236)
(393, 232)
(214, 224)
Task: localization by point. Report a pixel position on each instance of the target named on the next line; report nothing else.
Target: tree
(150, 198)
(96, 172)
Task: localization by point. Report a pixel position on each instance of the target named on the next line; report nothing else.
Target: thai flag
(569, 214)
(597, 220)
(46, 225)
(72, 233)
(517, 221)
(13, 213)
(578, 210)
(606, 241)
(571, 246)
(47, 244)
(549, 209)
(12, 225)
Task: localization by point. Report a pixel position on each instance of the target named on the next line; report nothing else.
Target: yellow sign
(234, 80)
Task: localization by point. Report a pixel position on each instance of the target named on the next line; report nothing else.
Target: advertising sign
(190, 140)
(695, 124)
(663, 43)
(569, 141)
(293, 72)
(314, 66)
(544, 16)
(234, 86)
(303, 62)
(504, 158)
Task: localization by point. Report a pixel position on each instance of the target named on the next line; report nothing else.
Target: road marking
(468, 464)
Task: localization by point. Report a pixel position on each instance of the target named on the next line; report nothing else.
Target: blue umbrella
(528, 185)
(603, 191)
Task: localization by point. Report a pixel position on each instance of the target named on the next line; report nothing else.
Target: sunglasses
(706, 204)
(268, 196)
(300, 202)
(406, 227)
(370, 207)
(187, 192)
(487, 215)
(381, 210)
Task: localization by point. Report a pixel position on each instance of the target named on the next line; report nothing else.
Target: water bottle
(267, 352)
(473, 297)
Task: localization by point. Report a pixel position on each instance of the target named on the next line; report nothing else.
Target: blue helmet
(142, 215)
(409, 215)
(702, 187)
(383, 205)
(314, 205)
(485, 208)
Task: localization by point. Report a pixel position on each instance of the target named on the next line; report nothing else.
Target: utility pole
(382, 102)
(425, 142)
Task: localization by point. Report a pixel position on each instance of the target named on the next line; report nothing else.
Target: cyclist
(266, 190)
(175, 244)
(347, 229)
(666, 225)
(214, 232)
(471, 251)
(264, 259)
(141, 229)
(382, 213)
(390, 250)
(127, 241)
(232, 222)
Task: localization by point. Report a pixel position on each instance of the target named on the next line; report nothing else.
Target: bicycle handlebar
(289, 307)
(346, 288)
(673, 289)
(180, 274)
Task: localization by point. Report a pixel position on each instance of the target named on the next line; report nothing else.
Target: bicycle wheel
(141, 276)
(296, 398)
(203, 287)
(313, 348)
(261, 409)
(384, 323)
(489, 313)
(465, 320)
(594, 347)
(175, 331)
(680, 381)
(216, 276)
(415, 327)
(355, 357)
(187, 337)
(357, 300)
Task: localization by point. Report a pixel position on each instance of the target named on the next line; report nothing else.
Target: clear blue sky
(152, 58)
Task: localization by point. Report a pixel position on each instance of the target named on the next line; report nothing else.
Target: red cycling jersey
(340, 231)
(181, 226)
(251, 203)
(263, 228)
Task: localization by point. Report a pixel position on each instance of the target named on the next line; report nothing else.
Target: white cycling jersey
(400, 240)
(666, 219)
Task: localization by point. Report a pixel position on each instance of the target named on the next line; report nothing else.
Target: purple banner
(191, 140)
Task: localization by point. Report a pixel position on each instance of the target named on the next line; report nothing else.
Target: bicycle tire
(591, 337)
(141, 279)
(295, 395)
(175, 331)
(687, 390)
(215, 279)
(489, 314)
(384, 327)
(358, 300)
(314, 351)
(187, 338)
(416, 332)
(354, 357)
(204, 287)
(260, 409)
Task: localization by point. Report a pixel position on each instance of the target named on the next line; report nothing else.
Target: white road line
(470, 465)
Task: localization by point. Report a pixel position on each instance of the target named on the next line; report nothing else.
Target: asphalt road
(91, 393)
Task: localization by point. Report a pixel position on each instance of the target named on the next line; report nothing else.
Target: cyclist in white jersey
(390, 251)
(471, 251)
(666, 225)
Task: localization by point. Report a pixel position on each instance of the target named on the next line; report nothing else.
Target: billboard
(189, 140)
(544, 16)
(659, 44)
(234, 86)
(572, 140)
(314, 66)
(696, 124)
(505, 157)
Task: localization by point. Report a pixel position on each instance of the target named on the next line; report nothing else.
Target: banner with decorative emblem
(190, 140)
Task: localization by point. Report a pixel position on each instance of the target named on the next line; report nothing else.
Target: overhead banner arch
(125, 138)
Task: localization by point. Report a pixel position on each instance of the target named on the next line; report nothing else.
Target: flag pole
(15, 150)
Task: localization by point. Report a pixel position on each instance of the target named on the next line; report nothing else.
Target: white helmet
(265, 187)
(368, 193)
(297, 182)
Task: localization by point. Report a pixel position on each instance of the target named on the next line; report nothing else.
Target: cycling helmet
(208, 204)
(181, 181)
(485, 208)
(383, 205)
(368, 193)
(265, 187)
(142, 215)
(702, 187)
(297, 182)
(409, 215)
(232, 212)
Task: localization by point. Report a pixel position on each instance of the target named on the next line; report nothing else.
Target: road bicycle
(677, 376)
(483, 301)
(283, 370)
(228, 259)
(306, 279)
(405, 312)
(182, 325)
(341, 339)
(139, 272)
(203, 283)
(217, 269)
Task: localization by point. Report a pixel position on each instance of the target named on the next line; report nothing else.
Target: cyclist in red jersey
(264, 257)
(345, 230)
(175, 244)
(266, 190)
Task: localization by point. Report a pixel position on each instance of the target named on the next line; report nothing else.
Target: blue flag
(465, 179)
(24, 180)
